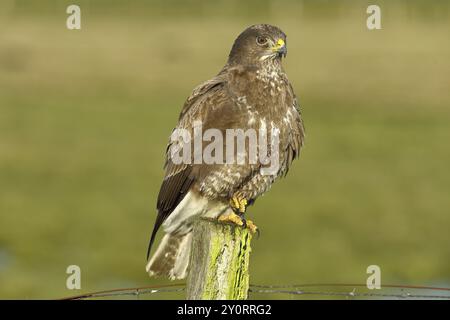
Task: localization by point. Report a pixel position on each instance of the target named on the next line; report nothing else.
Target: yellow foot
(231, 218)
(237, 220)
(238, 204)
(252, 227)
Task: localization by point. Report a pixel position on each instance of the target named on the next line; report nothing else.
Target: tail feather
(171, 259)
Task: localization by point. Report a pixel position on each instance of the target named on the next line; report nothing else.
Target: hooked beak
(280, 48)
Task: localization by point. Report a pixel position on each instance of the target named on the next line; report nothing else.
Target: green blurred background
(85, 116)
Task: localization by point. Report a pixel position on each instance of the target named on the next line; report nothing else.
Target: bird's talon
(238, 204)
(231, 218)
(252, 227)
(240, 221)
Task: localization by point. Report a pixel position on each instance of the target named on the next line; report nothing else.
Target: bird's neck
(270, 70)
(266, 66)
(271, 65)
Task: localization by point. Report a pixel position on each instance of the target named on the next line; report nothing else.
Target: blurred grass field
(85, 117)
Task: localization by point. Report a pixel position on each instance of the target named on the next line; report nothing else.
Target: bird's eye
(261, 41)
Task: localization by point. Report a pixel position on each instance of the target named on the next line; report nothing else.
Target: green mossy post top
(219, 262)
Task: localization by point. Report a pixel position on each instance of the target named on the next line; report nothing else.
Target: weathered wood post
(219, 262)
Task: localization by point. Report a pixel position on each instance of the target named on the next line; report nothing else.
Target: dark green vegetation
(85, 117)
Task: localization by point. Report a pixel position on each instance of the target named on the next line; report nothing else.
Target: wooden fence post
(219, 262)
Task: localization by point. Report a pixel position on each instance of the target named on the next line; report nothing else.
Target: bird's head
(257, 44)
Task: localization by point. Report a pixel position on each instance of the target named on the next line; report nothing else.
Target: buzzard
(252, 91)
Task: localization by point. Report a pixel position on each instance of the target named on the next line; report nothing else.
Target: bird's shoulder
(204, 92)
(219, 96)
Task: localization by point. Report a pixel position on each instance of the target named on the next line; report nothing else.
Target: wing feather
(180, 177)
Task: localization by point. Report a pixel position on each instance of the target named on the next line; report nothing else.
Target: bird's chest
(267, 99)
(270, 82)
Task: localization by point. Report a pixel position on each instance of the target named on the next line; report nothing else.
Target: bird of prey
(252, 91)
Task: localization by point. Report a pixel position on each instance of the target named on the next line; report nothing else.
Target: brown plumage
(251, 91)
